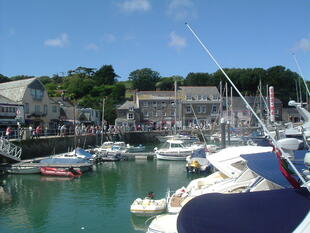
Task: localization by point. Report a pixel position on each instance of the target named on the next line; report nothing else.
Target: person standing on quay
(8, 132)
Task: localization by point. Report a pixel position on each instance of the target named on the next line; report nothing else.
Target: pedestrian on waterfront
(8, 132)
(58, 129)
(62, 130)
(30, 131)
(38, 131)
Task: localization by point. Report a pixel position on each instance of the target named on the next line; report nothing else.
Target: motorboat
(22, 169)
(74, 162)
(66, 172)
(197, 162)
(148, 206)
(186, 138)
(133, 149)
(176, 150)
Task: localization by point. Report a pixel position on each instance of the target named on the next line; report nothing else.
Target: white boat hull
(180, 157)
(23, 170)
(148, 206)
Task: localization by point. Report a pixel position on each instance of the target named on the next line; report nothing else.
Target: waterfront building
(128, 116)
(158, 108)
(200, 106)
(11, 113)
(70, 113)
(31, 93)
(237, 112)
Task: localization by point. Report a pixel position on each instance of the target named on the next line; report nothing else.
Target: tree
(4, 79)
(105, 75)
(144, 79)
(167, 83)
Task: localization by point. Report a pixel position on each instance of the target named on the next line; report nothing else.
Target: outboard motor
(289, 145)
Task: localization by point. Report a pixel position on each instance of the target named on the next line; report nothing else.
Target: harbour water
(98, 201)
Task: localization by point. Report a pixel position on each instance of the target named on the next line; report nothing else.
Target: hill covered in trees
(88, 86)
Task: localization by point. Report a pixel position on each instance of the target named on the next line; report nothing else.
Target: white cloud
(181, 9)
(60, 41)
(109, 37)
(92, 46)
(135, 5)
(303, 44)
(177, 41)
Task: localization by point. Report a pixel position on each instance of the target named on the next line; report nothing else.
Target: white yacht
(176, 150)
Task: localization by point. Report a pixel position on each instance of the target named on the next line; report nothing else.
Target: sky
(44, 37)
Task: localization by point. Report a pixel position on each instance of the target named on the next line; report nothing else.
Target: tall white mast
(102, 120)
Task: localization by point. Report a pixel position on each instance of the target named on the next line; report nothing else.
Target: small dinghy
(65, 172)
(148, 206)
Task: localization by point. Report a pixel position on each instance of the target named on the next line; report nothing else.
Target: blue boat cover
(63, 161)
(81, 151)
(200, 153)
(253, 212)
(266, 165)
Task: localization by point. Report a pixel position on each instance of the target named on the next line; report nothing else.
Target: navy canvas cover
(265, 211)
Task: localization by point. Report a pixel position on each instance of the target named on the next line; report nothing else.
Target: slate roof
(201, 90)
(155, 95)
(4, 100)
(127, 105)
(15, 90)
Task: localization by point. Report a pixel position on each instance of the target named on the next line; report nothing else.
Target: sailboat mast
(175, 104)
(102, 120)
(300, 73)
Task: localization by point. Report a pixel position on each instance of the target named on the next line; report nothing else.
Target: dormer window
(131, 109)
(37, 94)
(188, 97)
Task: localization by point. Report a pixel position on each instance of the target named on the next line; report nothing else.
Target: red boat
(67, 172)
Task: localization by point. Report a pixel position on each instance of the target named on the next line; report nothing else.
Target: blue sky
(44, 37)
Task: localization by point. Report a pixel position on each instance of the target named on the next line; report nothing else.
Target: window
(188, 109)
(45, 109)
(154, 104)
(163, 114)
(214, 109)
(205, 97)
(188, 97)
(204, 109)
(26, 108)
(130, 116)
(145, 104)
(36, 93)
(145, 114)
(54, 108)
(172, 103)
(199, 97)
(37, 108)
(131, 109)
(155, 114)
(163, 104)
(215, 97)
(199, 109)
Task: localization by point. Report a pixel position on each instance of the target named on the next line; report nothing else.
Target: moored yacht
(176, 150)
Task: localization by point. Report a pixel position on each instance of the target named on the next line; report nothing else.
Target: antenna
(251, 109)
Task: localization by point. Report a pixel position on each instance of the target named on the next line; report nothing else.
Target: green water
(98, 201)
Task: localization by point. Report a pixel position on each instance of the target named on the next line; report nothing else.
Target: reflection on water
(98, 201)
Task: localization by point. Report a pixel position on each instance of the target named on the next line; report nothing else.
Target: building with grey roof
(31, 93)
(11, 112)
(128, 115)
